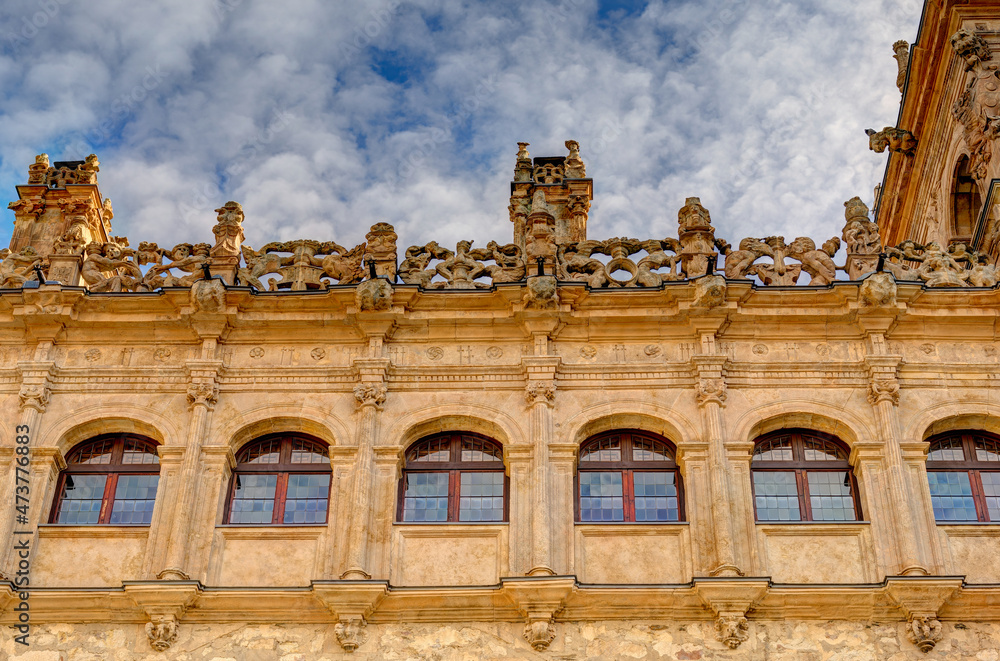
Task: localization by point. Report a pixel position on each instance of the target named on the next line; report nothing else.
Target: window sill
(813, 523)
(267, 531)
(451, 523)
(97, 530)
(655, 524)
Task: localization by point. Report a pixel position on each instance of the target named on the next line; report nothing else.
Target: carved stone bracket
(34, 395)
(164, 605)
(730, 599)
(711, 384)
(920, 599)
(539, 600)
(203, 394)
(883, 385)
(540, 392)
(350, 603)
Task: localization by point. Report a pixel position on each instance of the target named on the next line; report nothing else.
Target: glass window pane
(606, 449)
(820, 449)
(98, 452)
(991, 493)
(80, 502)
(437, 449)
(830, 496)
(601, 496)
(264, 452)
(481, 497)
(649, 450)
(948, 449)
(425, 497)
(135, 496)
(308, 452)
(655, 496)
(776, 496)
(137, 452)
(477, 449)
(774, 449)
(254, 499)
(951, 496)
(306, 498)
(987, 449)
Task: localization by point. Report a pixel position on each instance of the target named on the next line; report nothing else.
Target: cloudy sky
(324, 117)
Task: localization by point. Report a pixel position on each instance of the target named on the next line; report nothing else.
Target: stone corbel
(539, 600)
(351, 603)
(920, 599)
(164, 605)
(730, 599)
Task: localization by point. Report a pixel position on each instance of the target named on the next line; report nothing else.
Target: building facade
(558, 448)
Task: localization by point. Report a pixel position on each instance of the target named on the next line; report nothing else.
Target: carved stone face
(112, 251)
(180, 252)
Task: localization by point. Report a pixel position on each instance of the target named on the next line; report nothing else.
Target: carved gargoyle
(893, 139)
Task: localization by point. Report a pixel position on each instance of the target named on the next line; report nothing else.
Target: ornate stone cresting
(17, 267)
(901, 53)
(818, 263)
(463, 268)
(976, 107)
(308, 266)
(893, 139)
(935, 267)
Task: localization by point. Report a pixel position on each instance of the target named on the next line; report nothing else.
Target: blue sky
(323, 118)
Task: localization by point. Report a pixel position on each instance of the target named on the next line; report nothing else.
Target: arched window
(803, 475)
(456, 477)
(963, 469)
(280, 479)
(628, 475)
(109, 479)
(965, 202)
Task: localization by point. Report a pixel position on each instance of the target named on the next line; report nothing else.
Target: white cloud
(323, 118)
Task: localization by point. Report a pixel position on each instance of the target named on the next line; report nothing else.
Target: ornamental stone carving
(34, 396)
(878, 290)
(351, 633)
(307, 267)
(901, 53)
(381, 241)
(228, 230)
(732, 629)
(104, 269)
(883, 389)
(162, 633)
(710, 390)
(955, 267)
(542, 293)
(203, 394)
(540, 392)
(893, 139)
(924, 631)
(463, 268)
(373, 295)
(709, 292)
(208, 296)
(18, 267)
(540, 633)
(370, 394)
(818, 263)
(977, 108)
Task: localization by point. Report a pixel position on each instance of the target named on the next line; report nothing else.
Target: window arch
(109, 479)
(803, 475)
(963, 470)
(280, 479)
(453, 477)
(628, 475)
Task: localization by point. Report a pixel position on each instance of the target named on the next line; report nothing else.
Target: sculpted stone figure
(893, 139)
(104, 270)
(508, 266)
(977, 108)
(341, 264)
(817, 263)
(258, 263)
(228, 230)
(18, 267)
(860, 233)
(184, 257)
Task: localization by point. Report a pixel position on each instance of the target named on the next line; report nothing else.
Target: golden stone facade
(205, 348)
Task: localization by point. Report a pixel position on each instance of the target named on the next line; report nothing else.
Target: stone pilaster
(216, 466)
(540, 394)
(342, 460)
(370, 393)
(518, 459)
(562, 468)
(388, 462)
(169, 490)
(710, 392)
(883, 395)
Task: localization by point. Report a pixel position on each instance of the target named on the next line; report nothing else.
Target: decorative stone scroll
(463, 268)
(818, 263)
(935, 267)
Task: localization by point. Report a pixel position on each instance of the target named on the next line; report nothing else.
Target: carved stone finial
(38, 170)
(228, 230)
(381, 242)
(924, 631)
(351, 632)
(893, 139)
(901, 53)
(522, 169)
(575, 168)
(370, 394)
(522, 151)
(697, 238)
(162, 632)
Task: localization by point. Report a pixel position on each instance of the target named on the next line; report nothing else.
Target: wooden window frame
(454, 469)
(970, 465)
(628, 467)
(800, 466)
(113, 470)
(282, 469)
